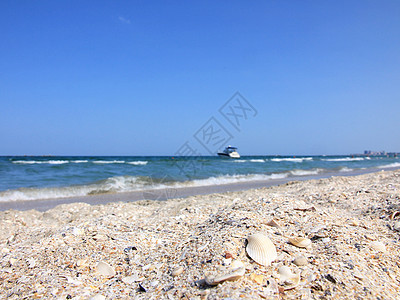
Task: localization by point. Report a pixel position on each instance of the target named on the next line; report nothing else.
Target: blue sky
(141, 77)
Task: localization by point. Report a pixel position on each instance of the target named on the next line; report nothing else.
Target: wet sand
(167, 249)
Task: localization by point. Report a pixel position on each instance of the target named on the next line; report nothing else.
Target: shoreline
(171, 193)
(169, 249)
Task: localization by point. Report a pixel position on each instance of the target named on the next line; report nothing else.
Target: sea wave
(305, 172)
(344, 159)
(392, 165)
(119, 184)
(31, 162)
(108, 161)
(257, 160)
(345, 169)
(137, 163)
(79, 161)
(292, 159)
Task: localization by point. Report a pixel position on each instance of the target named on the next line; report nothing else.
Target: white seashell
(261, 249)
(273, 223)
(300, 242)
(235, 272)
(105, 269)
(12, 261)
(378, 246)
(289, 279)
(355, 222)
(98, 297)
(396, 226)
(131, 279)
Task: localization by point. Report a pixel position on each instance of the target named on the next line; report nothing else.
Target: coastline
(165, 249)
(170, 193)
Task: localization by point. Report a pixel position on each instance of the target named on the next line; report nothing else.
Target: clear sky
(142, 77)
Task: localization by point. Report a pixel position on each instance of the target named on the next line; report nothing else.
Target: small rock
(300, 261)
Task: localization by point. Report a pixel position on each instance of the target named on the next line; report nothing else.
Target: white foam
(108, 161)
(79, 161)
(344, 159)
(392, 165)
(109, 185)
(257, 160)
(239, 160)
(138, 163)
(124, 184)
(51, 162)
(294, 159)
(305, 172)
(345, 169)
(227, 179)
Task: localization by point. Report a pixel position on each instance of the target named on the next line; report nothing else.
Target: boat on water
(229, 152)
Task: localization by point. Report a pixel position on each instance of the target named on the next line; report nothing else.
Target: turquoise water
(38, 177)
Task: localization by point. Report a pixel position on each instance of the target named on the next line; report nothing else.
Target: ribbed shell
(261, 249)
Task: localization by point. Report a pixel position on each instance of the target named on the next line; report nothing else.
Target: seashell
(289, 279)
(257, 278)
(300, 261)
(261, 249)
(97, 297)
(273, 223)
(394, 214)
(378, 246)
(396, 226)
(177, 271)
(300, 242)
(235, 272)
(354, 222)
(131, 279)
(105, 269)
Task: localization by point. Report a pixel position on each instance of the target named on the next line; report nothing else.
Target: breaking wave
(344, 159)
(292, 159)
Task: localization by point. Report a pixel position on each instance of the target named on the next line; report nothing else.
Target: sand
(166, 250)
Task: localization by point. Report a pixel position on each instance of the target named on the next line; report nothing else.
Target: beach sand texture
(166, 250)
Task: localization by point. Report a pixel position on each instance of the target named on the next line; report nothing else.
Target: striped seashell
(261, 249)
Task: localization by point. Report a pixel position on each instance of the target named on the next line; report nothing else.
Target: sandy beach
(197, 247)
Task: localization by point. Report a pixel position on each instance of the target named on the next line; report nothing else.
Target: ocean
(52, 177)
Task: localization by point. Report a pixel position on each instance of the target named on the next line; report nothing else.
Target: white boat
(229, 152)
